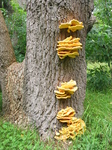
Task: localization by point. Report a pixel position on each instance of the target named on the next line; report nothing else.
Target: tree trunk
(11, 77)
(44, 71)
(7, 56)
(22, 3)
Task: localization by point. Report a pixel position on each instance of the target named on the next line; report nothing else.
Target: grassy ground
(98, 136)
(98, 118)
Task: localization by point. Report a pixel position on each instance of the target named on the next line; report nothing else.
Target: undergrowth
(98, 119)
(14, 138)
(98, 135)
(16, 24)
(98, 77)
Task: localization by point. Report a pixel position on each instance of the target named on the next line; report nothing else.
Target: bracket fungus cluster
(69, 47)
(72, 25)
(65, 115)
(74, 127)
(66, 90)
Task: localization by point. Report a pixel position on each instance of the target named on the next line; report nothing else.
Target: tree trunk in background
(7, 56)
(22, 3)
(44, 71)
(11, 77)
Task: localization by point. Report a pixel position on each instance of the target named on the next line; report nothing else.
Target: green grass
(14, 138)
(98, 135)
(98, 119)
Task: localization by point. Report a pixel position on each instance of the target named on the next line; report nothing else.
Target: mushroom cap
(62, 56)
(70, 91)
(66, 113)
(64, 25)
(75, 22)
(69, 40)
(59, 92)
(65, 119)
(76, 27)
(69, 84)
(69, 48)
(71, 54)
(66, 90)
(63, 97)
(72, 25)
(69, 44)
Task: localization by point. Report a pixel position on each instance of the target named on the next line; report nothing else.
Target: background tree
(11, 77)
(16, 24)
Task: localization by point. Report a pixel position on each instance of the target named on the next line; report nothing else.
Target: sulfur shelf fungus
(74, 127)
(69, 47)
(65, 115)
(72, 25)
(66, 90)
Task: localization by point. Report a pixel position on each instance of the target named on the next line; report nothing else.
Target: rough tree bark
(44, 71)
(22, 3)
(11, 77)
(7, 56)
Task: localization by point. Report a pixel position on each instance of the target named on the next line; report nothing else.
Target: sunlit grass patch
(98, 119)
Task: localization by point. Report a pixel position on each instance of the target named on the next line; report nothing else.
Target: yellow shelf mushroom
(66, 90)
(66, 114)
(72, 25)
(74, 127)
(69, 47)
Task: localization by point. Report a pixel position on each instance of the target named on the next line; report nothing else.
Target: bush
(16, 23)
(99, 40)
(98, 78)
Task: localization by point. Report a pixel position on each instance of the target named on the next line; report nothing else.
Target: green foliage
(99, 44)
(4, 11)
(6, 4)
(99, 40)
(17, 139)
(98, 78)
(16, 23)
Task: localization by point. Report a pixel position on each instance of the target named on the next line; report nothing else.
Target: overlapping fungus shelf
(69, 47)
(72, 25)
(66, 90)
(74, 127)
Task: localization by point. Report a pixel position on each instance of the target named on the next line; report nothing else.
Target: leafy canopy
(99, 40)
